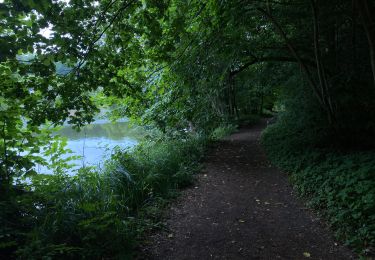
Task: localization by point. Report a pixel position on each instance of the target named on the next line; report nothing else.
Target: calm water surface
(95, 142)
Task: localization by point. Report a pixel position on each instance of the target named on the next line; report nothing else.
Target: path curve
(243, 208)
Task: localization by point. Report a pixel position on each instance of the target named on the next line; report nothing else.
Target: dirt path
(242, 208)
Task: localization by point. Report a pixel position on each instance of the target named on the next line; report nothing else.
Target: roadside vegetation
(338, 184)
(100, 213)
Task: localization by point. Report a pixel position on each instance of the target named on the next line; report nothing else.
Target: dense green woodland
(192, 71)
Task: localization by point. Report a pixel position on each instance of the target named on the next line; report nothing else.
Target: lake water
(95, 142)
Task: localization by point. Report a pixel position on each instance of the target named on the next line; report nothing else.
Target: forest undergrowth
(339, 185)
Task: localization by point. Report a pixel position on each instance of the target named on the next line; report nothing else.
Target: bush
(339, 185)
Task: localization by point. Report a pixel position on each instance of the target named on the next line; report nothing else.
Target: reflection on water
(102, 129)
(95, 142)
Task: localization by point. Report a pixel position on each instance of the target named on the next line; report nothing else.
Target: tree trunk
(232, 102)
(366, 15)
(261, 103)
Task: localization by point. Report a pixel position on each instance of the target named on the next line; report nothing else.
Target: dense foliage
(184, 66)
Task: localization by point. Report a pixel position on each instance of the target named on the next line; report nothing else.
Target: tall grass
(103, 214)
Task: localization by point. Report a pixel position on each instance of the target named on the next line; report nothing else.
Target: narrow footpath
(243, 208)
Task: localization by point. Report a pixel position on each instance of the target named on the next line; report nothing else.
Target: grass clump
(222, 131)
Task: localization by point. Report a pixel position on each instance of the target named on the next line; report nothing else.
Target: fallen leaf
(306, 254)
(170, 235)
(241, 221)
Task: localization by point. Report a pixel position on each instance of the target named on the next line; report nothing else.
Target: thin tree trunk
(261, 103)
(4, 174)
(233, 110)
(234, 98)
(366, 14)
(317, 50)
(354, 34)
(228, 98)
(323, 82)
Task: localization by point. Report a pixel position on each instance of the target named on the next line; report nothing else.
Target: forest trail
(243, 208)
